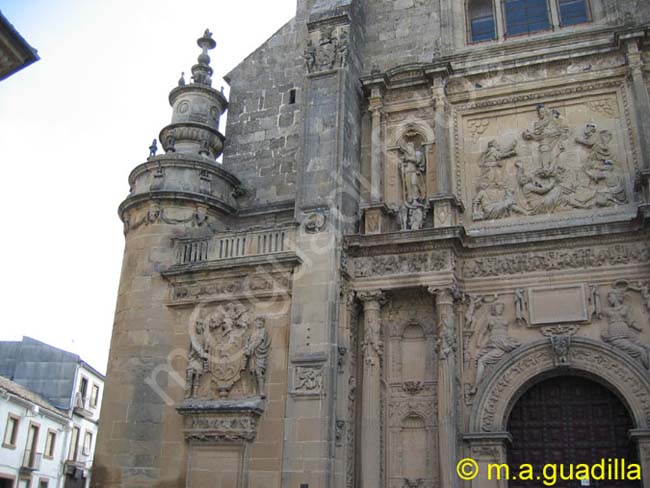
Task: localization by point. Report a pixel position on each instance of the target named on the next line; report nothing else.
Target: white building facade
(43, 445)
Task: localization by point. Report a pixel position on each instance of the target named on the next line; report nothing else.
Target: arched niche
(413, 350)
(414, 441)
(420, 133)
(595, 360)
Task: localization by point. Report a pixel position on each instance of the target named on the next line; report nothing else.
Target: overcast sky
(72, 127)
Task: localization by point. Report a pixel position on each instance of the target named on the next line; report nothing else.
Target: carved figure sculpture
(257, 351)
(310, 56)
(417, 212)
(153, 149)
(492, 159)
(181, 80)
(621, 328)
(561, 345)
(498, 344)
(412, 169)
(551, 132)
(493, 202)
(171, 141)
(197, 364)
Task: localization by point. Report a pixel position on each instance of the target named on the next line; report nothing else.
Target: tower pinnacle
(202, 72)
(197, 108)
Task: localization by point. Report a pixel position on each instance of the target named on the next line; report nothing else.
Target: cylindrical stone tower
(178, 196)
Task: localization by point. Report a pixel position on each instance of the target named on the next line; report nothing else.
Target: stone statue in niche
(412, 169)
(498, 344)
(491, 160)
(224, 345)
(551, 132)
(622, 328)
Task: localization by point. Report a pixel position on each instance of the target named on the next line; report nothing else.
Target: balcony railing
(236, 245)
(81, 406)
(31, 460)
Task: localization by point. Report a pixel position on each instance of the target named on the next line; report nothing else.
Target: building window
(480, 14)
(526, 16)
(50, 444)
(43, 483)
(94, 396)
(83, 389)
(74, 445)
(11, 431)
(88, 443)
(292, 96)
(573, 12)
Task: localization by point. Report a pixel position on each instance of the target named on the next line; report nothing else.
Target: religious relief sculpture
(224, 345)
(493, 199)
(412, 169)
(622, 329)
(555, 183)
(551, 132)
(498, 344)
(491, 160)
(330, 52)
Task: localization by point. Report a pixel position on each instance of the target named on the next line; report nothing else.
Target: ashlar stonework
(408, 231)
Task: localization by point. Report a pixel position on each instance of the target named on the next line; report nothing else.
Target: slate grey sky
(72, 127)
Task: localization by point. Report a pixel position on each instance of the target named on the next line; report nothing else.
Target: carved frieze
(226, 288)
(529, 262)
(156, 214)
(400, 264)
(229, 428)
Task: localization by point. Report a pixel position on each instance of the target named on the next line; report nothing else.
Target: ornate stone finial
(153, 149)
(181, 80)
(202, 72)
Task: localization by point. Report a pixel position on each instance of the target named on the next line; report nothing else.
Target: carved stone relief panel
(228, 354)
(400, 264)
(551, 157)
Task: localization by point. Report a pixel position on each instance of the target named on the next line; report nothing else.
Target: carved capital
(446, 294)
(371, 298)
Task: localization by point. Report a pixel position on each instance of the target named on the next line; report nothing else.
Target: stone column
(375, 210)
(639, 92)
(642, 438)
(372, 351)
(446, 205)
(446, 353)
(375, 108)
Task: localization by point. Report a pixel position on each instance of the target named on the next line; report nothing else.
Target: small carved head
(260, 322)
(615, 297)
(497, 308)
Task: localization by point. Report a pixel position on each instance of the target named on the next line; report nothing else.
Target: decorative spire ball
(202, 72)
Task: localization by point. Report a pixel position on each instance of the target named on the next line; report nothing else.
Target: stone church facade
(427, 240)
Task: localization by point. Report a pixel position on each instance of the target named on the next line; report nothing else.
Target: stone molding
(616, 370)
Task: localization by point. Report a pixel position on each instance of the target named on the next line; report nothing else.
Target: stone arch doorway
(569, 420)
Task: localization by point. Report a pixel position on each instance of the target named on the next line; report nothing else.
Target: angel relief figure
(491, 160)
(498, 343)
(622, 329)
